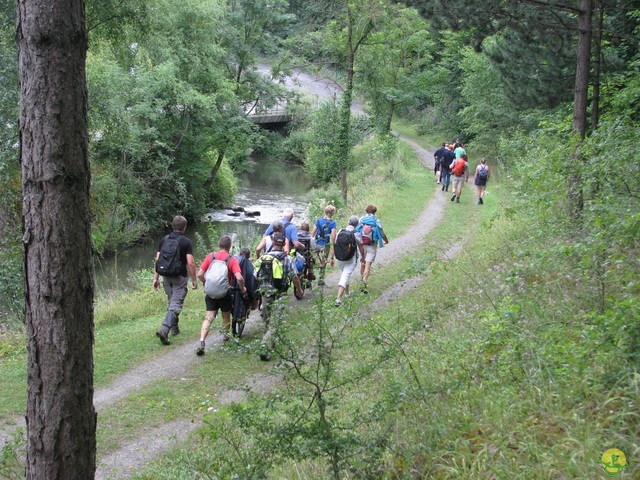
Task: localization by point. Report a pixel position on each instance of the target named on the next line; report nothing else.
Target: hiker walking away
(458, 149)
(305, 238)
(437, 158)
(481, 178)
(349, 250)
(373, 236)
(460, 172)
(216, 274)
(266, 242)
(243, 303)
(324, 234)
(445, 167)
(276, 271)
(290, 231)
(174, 259)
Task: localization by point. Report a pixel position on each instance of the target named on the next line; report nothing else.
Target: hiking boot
(200, 349)
(337, 303)
(481, 201)
(163, 337)
(364, 289)
(264, 353)
(457, 200)
(443, 188)
(175, 330)
(453, 197)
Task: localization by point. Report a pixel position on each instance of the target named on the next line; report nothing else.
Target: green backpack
(272, 274)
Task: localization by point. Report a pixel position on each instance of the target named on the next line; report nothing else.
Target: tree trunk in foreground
(580, 103)
(61, 420)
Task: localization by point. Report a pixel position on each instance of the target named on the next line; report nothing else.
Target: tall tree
(394, 62)
(347, 35)
(61, 420)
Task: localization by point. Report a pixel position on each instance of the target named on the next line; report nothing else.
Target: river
(268, 188)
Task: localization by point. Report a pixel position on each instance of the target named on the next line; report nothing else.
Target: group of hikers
(285, 256)
(450, 160)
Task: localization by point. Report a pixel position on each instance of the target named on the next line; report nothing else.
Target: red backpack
(458, 168)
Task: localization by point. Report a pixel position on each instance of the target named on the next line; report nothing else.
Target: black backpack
(272, 273)
(169, 263)
(482, 173)
(346, 245)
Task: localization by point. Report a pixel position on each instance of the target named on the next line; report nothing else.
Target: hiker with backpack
(266, 242)
(306, 260)
(324, 234)
(437, 159)
(174, 259)
(290, 231)
(460, 172)
(481, 178)
(373, 236)
(276, 271)
(216, 273)
(348, 250)
(445, 167)
(243, 303)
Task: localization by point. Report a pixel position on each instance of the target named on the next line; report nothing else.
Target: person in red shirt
(224, 304)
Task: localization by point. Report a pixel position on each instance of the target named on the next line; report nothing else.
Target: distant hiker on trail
(458, 148)
(349, 250)
(445, 167)
(373, 236)
(290, 231)
(460, 172)
(266, 242)
(216, 274)
(481, 178)
(437, 159)
(173, 259)
(324, 234)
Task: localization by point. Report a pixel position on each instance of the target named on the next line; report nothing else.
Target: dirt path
(135, 454)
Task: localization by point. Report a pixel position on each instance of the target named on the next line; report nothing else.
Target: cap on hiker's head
(278, 239)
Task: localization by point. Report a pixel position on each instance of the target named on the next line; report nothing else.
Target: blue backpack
(323, 232)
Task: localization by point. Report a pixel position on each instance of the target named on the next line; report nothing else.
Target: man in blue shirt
(290, 230)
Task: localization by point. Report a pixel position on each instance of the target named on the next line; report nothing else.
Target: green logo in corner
(614, 461)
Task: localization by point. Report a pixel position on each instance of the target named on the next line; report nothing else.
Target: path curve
(135, 454)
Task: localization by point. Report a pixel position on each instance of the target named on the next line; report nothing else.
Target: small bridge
(275, 115)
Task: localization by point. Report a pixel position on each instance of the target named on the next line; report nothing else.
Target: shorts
(481, 182)
(224, 304)
(370, 253)
(323, 248)
(458, 182)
